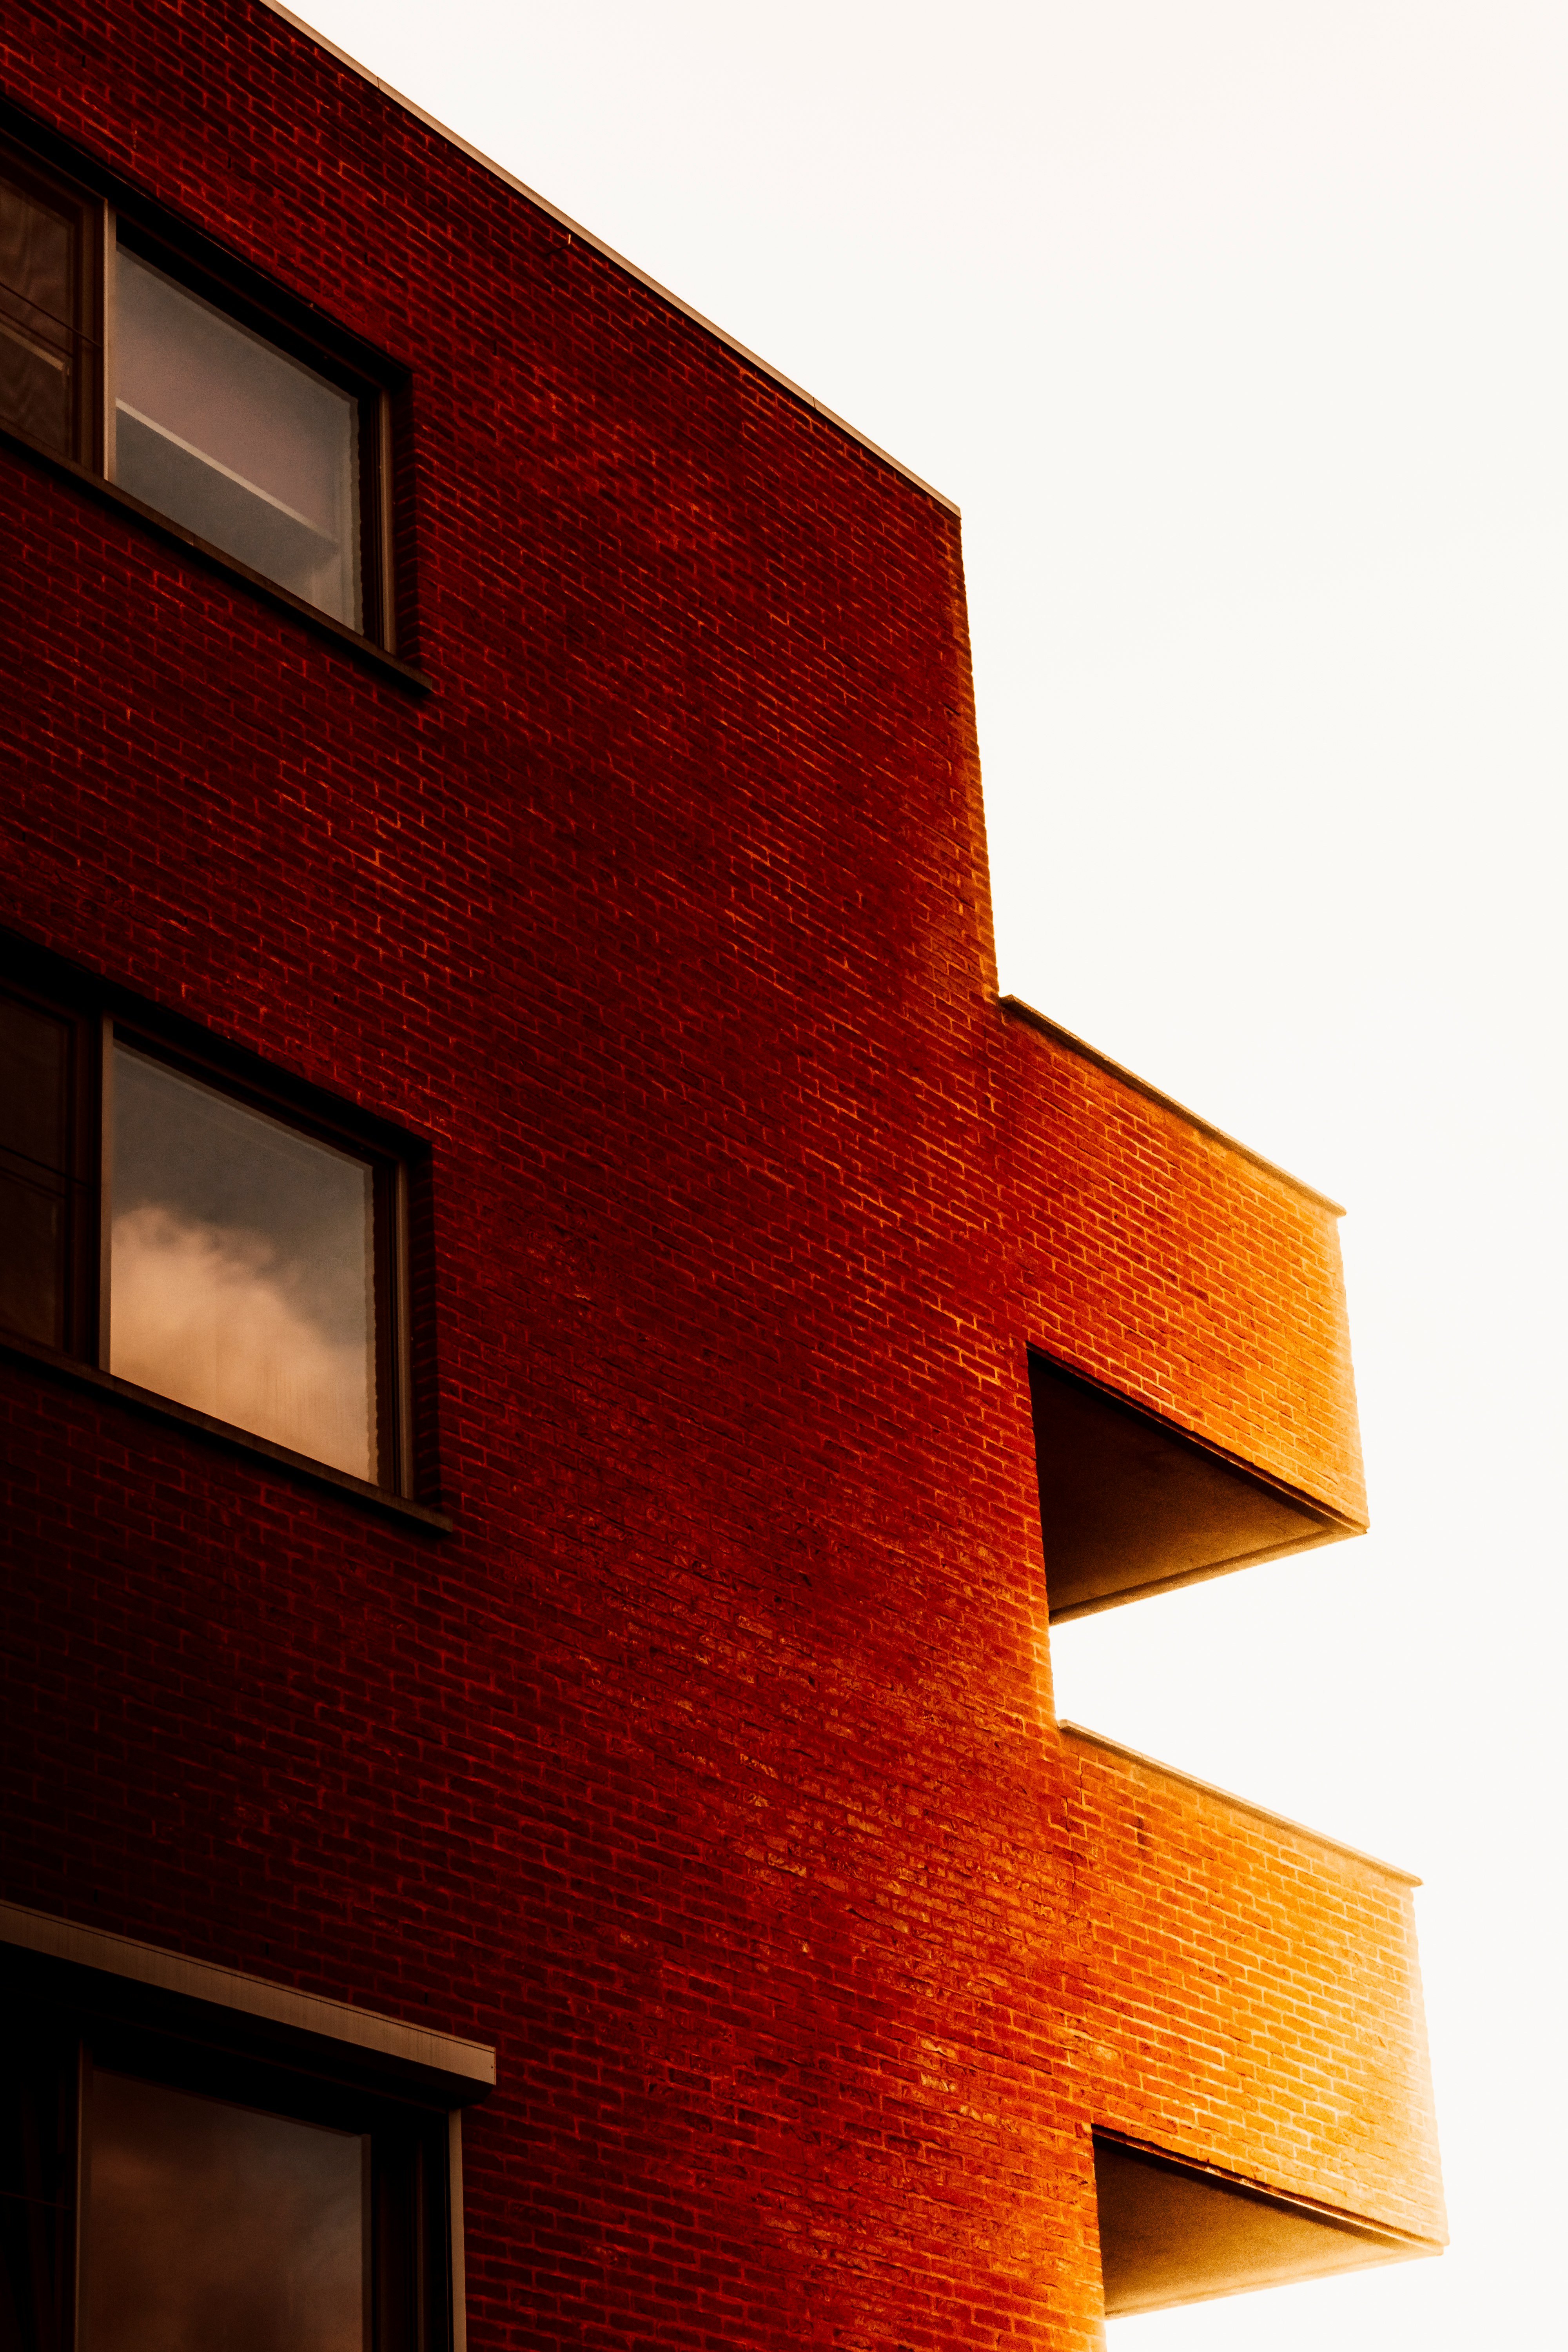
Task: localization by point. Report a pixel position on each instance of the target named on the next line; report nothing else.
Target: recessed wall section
(1170, 2234)
(1130, 1506)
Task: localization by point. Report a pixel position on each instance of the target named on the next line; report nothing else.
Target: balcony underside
(1170, 2234)
(1130, 1506)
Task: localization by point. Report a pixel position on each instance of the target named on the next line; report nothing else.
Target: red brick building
(562, 1347)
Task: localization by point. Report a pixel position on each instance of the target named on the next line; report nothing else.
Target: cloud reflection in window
(241, 1267)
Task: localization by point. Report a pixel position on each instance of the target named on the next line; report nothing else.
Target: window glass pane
(34, 1065)
(38, 263)
(236, 440)
(241, 1267)
(37, 2100)
(34, 1109)
(31, 1259)
(211, 2228)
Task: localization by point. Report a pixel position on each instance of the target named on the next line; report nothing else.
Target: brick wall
(707, 1766)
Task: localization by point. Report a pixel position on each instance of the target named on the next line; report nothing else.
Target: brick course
(709, 1766)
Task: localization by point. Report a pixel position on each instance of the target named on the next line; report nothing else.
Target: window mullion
(102, 459)
(104, 1152)
(74, 2250)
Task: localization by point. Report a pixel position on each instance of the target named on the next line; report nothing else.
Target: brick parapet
(1181, 1271)
(1253, 1993)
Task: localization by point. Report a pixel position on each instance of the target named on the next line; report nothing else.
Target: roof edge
(575, 229)
(1015, 1009)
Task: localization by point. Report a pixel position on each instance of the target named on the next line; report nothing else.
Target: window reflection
(35, 1080)
(236, 440)
(38, 263)
(241, 1267)
(36, 2177)
(215, 2228)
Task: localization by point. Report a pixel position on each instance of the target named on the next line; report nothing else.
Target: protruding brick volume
(562, 1347)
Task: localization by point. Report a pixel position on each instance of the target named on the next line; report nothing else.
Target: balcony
(1183, 1304)
(1249, 1993)
(1131, 1505)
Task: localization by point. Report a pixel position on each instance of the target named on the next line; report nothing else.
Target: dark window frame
(98, 1017)
(108, 214)
(61, 193)
(67, 2020)
(79, 1330)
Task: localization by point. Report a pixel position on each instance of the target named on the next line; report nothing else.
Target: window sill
(77, 1374)
(174, 534)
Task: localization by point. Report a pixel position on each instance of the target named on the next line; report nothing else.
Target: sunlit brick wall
(1254, 1991)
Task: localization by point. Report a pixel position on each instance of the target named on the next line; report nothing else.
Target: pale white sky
(1237, 330)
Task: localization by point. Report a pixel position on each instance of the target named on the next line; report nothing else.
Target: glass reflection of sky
(242, 1267)
(212, 2228)
(235, 439)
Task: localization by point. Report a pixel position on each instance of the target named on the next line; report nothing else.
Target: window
(172, 2186)
(50, 348)
(200, 1239)
(206, 2220)
(235, 439)
(119, 355)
